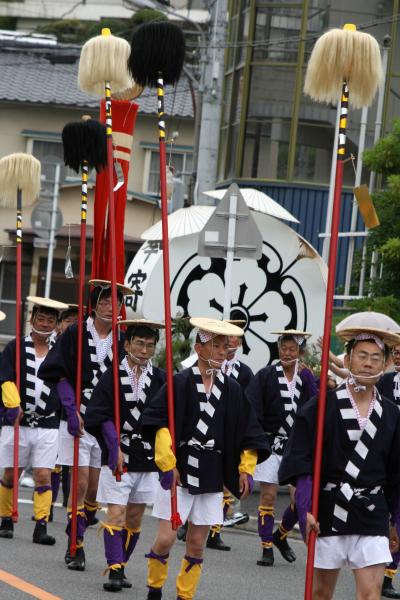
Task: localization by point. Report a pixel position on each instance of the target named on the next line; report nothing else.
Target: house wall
(14, 119)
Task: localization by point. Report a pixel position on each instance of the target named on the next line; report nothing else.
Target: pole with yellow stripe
(322, 94)
(84, 145)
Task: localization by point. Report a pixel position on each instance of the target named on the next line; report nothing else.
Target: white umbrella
(260, 202)
(368, 318)
(183, 221)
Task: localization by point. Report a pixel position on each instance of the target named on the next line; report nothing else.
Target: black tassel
(85, 140)
(157, 48)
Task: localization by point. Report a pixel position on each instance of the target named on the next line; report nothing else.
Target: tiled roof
(29, 78)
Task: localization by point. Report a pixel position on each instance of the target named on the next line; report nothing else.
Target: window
(7, 294)
(49, 151)
(182, 162)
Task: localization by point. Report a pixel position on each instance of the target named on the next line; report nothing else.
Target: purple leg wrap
(113, 547)
(289, 518)
(192, 561)
(265, 527)
(163, 558)
(55, 485)
(81, 525)
(395, 560)
(129, 543)
(41, 489)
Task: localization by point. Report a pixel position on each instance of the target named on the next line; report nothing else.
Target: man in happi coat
(60, 368)
(276, 393)
(218, 442)
(232, 367)
(36, 408)
(389, 386)
(139, 381)
(360, 475)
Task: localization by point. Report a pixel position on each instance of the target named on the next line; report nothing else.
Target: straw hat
(104, 283)
(47, 303)
(388, 338)
(239, 322)
(215, 326)
(142, 323)
(292, 332)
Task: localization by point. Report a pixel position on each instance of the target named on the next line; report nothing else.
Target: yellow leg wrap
(188, 580)
(130, 532)
(91, 506)
(227, 500)
(57, 469)
(42, 505)
(390, 573)
(111, 568)
(283, 533)
(157, 573)
(266, 511)
(215, 529)
(109, 528)
(6, 501)
(79, 511)
(266, 544)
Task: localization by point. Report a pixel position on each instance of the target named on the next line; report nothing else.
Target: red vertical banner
(124, 117)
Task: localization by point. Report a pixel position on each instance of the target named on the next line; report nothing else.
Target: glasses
(396, 353)
(376, 359)
(143, 346)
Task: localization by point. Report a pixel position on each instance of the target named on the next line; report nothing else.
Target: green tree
(181, 344)
(384, 159)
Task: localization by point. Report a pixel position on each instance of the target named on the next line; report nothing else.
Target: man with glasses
(60, 368)
(389, 386)
(36, 407)
(139, 381)
(360, 477)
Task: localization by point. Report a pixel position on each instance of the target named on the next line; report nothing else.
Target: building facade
(273, 136)
(38, 96)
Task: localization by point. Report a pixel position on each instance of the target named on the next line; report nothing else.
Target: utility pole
(207, 154)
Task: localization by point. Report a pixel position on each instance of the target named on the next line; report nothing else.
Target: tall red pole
(78, 386)
(175, 518)
(330, 291)
(111, 229)
(18, 304)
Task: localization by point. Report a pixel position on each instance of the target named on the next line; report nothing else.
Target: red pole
(330, 291)
(78, 386)
(175, 518)
(111, 229)
(18, 303)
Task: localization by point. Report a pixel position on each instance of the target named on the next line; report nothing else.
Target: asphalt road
(226, 575)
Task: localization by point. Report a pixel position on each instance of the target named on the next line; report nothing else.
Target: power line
(289, 40)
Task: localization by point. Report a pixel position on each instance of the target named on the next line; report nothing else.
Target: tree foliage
(384, 159)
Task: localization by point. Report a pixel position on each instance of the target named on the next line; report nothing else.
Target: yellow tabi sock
(188, 578)
(42, 497)
(157, 569)
(6, 500)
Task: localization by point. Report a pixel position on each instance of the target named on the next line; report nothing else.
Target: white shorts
(37, 447)
(134, 488)
(267, 471)
(356, 551)
(89, 449)
(201, 509)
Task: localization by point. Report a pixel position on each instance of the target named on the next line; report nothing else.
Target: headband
(361, 337)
